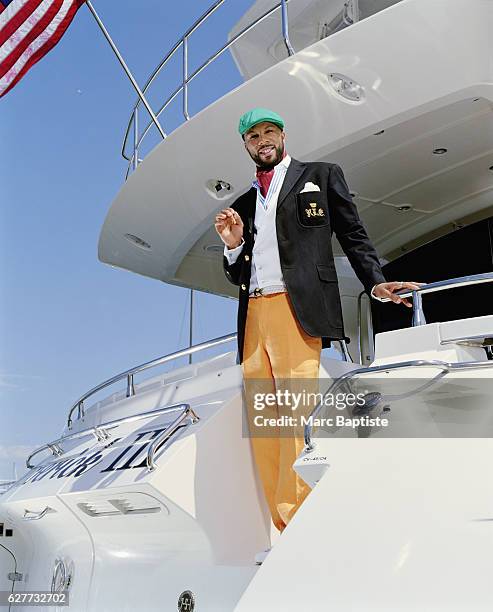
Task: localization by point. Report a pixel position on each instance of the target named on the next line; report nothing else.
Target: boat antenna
(125, 68)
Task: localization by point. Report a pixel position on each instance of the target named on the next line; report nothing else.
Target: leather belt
(257, 292)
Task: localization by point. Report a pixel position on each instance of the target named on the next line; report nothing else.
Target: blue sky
(67, 321)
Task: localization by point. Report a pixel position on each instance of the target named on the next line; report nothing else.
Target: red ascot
(264, 177)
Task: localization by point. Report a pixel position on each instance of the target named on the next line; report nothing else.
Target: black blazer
(304, 224)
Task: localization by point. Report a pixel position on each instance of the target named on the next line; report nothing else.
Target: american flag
(28, 30)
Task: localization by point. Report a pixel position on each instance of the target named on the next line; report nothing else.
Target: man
(277, 240)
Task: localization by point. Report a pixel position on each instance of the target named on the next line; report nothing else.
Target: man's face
(265, 144)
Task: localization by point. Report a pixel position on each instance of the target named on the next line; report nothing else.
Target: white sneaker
(260, 556)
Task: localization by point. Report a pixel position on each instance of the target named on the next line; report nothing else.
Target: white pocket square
(310, 187)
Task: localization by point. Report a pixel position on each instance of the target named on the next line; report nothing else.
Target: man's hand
(386, 290)
(229, 226)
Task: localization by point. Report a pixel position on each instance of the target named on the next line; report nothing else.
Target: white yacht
(148, 499)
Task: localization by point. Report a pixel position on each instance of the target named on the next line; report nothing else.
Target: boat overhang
(388, 143)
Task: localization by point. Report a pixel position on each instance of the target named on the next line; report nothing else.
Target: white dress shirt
(266, 265)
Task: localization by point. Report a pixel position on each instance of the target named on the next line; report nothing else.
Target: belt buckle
(257, 292)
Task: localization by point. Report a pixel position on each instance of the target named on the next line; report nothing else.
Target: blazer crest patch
(311, 209)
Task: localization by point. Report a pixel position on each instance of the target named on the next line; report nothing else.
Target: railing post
(166, 434)
(345, 352)
(130, 385)
(369, 327)
(190, 339)
(285, 26)
(55, 449)
(185, 78)
(418, 314)
(136, 139)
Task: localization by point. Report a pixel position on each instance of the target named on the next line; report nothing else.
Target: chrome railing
(418, 313)
(444, 366)
(100, 432)
(165, 436)
(129, 374)
(452, 283)
(4, 486)
(348, 15)
(36, 515)
(187, 78)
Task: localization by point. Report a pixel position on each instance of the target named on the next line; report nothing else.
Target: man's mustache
(262, 165)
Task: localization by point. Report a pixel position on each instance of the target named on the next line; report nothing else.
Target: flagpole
(125, 67)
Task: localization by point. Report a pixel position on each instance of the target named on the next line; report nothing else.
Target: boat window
(465, 251)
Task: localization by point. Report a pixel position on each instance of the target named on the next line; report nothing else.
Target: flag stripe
(16, 18)
(13, 49)
(46, 41)
(10, 11)
(50, 22)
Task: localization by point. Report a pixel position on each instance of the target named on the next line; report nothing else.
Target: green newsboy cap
(258, 115)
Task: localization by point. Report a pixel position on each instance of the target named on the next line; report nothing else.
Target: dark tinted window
(465, 251)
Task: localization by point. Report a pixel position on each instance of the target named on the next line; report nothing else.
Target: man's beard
(268, 166)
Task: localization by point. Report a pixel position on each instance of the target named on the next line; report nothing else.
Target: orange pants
(276, 351)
